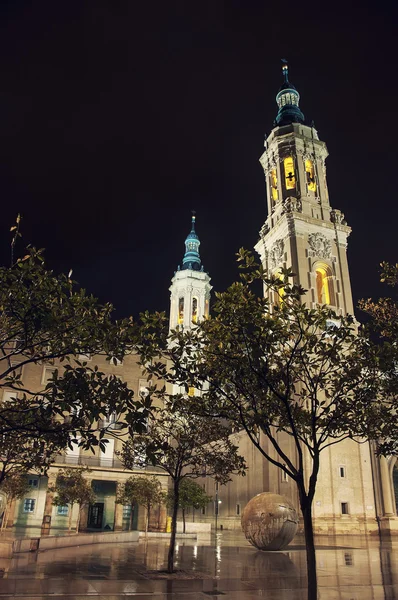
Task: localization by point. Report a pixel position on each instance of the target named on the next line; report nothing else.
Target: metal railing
(100, 461)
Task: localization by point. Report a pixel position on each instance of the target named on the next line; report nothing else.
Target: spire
(288, 99)
(191, 258)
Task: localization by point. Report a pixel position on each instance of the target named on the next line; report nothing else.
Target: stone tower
(302, 230)
(190, 287)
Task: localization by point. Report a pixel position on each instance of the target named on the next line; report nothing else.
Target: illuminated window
(290, 179)
(191, 392)
(310, 175)
(206, 308)
(29, 505)
(278, 294)
(181, 311)
(194, 310)
(274, 185)
(322, 286)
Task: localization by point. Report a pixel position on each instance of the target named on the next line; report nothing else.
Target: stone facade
(106, 470)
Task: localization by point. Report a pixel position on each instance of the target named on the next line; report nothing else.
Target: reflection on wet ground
(227, 567)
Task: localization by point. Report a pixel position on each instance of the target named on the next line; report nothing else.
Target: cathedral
(355, 491)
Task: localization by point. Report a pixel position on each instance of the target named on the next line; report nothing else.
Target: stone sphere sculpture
(269, 521)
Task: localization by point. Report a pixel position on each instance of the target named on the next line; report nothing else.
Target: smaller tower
(190, 287)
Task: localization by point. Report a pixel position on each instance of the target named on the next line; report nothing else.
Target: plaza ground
(226, 567)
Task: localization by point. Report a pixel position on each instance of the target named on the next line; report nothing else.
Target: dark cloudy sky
(119, 117)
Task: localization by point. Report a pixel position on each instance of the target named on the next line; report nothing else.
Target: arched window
(324, 291)
(310, 175)
(274, 185)
(181, 311)
(194, 310)
(290, 179)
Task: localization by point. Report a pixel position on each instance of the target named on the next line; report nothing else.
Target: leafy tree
(183, 445)
(275, 371)
(146, 491)
(192, 495)
(382, 328)
(47, 319)
(14, 487)
(71, 487)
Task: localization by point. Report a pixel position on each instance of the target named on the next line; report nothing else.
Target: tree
(192, 495)
(14, 487)
(72, 488)
(273, 370)
(146, 491)
(183, 445)
(382, 328)
(47, 319)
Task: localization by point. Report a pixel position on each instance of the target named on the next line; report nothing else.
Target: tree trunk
(170, 558)
(78, 519)
(306, 507)
(131, 517)
(183, 520)
(70, 518)
(148, 509)
(5, 516)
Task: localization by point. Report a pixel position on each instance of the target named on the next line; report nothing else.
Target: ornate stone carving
(276, 254)
(319, 245)
(336, 216)
(292, 204)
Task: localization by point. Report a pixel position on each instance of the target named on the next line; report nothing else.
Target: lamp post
(216, 505)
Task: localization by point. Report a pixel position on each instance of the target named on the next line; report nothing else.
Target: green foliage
(46, 319)
(183, 444)
(146, 491)
(191, 495)
(271, 369)
(71, 487)
(382, 328)
(15, 486)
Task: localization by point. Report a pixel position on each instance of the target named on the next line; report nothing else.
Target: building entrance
(95, 515)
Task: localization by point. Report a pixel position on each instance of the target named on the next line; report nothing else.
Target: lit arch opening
(280, 293)
(310, 175)
(324, 290)
(290, 177)
(181, 311)
(194, 310)
(274, 185)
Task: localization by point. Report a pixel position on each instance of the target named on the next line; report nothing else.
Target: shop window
(181, 311)
(290, 178)
(310, 175)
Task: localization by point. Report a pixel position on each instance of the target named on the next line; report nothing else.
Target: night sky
(119, 117)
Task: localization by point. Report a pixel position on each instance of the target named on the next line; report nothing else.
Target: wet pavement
(226, 567)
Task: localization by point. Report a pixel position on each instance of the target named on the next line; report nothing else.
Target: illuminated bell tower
(190, 287)
(302, 230)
